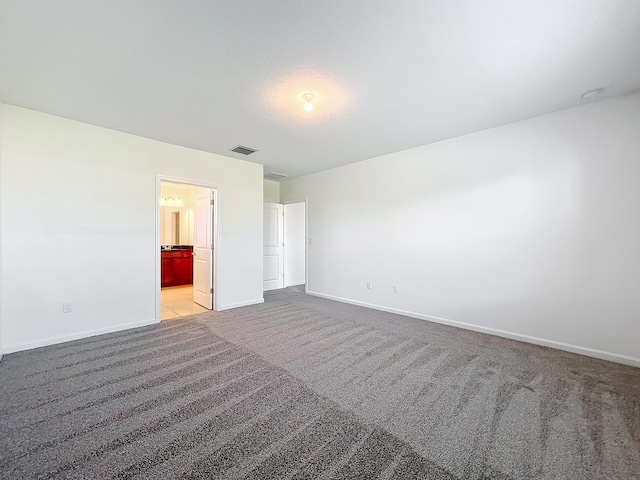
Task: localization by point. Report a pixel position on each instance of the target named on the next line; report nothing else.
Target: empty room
(294, 239)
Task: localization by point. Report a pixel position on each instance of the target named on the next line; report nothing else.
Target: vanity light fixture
(308, 98)
(170, 201)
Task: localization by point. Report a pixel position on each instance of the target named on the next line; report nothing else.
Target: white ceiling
(387, 75)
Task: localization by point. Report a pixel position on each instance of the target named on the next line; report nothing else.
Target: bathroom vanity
(176, 264)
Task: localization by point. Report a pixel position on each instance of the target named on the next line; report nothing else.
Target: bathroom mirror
(175, 228)
(170, 226)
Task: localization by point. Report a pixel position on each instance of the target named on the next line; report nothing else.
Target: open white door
(294, 244)
(203, 247)
(273, 260)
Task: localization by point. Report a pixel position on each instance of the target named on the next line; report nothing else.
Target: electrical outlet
(396, 289)
(66, 308)
(369, 285)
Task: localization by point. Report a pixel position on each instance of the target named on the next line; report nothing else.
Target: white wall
(271, 191)
(529, 230)
(1, 210)
(79, 225)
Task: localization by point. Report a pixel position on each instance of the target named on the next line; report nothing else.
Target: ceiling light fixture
(308, 98)
(593, 94)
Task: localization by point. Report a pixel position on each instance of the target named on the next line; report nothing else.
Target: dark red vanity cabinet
(176, 267)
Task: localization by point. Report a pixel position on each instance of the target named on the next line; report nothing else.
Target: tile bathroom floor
(178, 302)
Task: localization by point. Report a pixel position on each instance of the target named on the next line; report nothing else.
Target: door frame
(306, 239)
(215, 225)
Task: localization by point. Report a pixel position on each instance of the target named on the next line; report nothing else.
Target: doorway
(186, 233)
(284, 245)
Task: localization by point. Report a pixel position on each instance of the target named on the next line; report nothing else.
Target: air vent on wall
(274, 175)
(243, 150)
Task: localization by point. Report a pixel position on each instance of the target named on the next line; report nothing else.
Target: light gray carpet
(302, 387)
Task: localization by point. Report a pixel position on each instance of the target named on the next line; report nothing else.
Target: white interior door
(203, 247)
(273, 260)
(294, 244)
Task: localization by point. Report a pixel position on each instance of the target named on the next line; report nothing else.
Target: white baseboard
(76, 336)
(590, 352)
(242, 304)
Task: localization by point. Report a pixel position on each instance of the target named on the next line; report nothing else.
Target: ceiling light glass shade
(308, 98)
